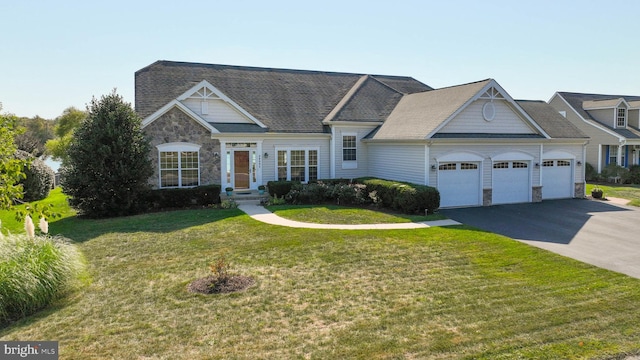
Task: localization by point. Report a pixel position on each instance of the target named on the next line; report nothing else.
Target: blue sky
(56, 54)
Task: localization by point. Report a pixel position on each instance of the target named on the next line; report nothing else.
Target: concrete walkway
(260, 213)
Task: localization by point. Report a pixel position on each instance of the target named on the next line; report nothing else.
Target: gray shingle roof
(554, 124)
(417, 115)
(576, 101)
(284, 100)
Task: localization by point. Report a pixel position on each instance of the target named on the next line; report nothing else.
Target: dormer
(633, 117)
(610, 112)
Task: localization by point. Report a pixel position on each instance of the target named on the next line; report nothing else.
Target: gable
(212, 106)
(488, 117)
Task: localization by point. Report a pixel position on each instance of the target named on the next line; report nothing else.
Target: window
(297, 164)
(622, 117)
(468, 166)
(179, 165)
(447, 166)
(519, 165)
(564, 163)
(613, 154)
(349, 148)
(179, 168)
(547, 163)
(501, 165)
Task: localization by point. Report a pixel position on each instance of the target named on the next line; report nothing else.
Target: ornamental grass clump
(35, 270)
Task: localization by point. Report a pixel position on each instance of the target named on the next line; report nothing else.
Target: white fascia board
(590, 122)
(175, 103)
(223, 97)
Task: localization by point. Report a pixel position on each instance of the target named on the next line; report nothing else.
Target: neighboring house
(243, 126)
(611, 121)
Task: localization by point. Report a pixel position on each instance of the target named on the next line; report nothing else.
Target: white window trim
(177, 147)
(626, 112)
(349, 164)
(306, 160)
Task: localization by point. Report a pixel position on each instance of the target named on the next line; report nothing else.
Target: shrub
(186, 197)
(405, 197)
(634, 174)
(34, 272)
(108, 167)
(39, 180)
(282, 187)
(590, 173)
(613, 170)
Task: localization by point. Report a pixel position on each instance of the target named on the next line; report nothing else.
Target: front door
(241, 169)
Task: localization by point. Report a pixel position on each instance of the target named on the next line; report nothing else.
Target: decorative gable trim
(492, 91)
(177, 104)
(211, 92)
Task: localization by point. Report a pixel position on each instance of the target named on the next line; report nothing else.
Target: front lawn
(451, 292)
(623, 191)
(334, 214)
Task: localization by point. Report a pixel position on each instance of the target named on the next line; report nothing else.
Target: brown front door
(241, 169)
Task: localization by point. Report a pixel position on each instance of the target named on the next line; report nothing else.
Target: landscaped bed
(450, 292)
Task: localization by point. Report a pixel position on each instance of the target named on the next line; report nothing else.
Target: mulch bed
(212, 285)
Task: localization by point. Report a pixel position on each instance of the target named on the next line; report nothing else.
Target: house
(243, 126)
(611, 121)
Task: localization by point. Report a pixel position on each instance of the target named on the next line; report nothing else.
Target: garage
(557, 182)
(511, 182)
(459, 184)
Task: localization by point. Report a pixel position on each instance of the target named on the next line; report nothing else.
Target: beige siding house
(611, 121)
(241, 127)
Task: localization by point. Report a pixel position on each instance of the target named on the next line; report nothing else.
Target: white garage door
(459, 184)
(556, 179)
(511, 182)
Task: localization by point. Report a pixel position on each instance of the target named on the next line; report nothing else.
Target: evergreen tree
(108, 166)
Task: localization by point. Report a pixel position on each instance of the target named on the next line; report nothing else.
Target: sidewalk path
(260, 213)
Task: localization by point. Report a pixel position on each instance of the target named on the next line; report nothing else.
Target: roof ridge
(345, 99)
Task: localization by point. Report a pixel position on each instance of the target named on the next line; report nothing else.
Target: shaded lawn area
(623, 191)
(450, 292)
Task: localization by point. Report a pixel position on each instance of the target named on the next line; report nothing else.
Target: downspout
(332, 153)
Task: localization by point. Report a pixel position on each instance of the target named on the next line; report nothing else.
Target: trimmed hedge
(282, 188)
(404, 197)
(181, 198)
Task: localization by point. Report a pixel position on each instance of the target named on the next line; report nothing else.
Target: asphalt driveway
(595, 232)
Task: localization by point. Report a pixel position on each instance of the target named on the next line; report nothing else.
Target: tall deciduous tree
(66, 124)
(108, 166)
(10, 167)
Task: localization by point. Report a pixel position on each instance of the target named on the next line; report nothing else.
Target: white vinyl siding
(217, 110)
(351, 169)
(470, 120)
(398, 162)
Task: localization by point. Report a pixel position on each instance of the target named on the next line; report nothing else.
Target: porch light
(266, 155)
(537, 165)
(433, 167)
(579, 163)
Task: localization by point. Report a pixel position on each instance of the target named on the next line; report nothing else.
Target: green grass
(56, 197)
(444, 293)
(626, 191)
(334, 214)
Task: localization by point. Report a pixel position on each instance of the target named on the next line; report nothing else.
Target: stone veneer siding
(536, 194)
(176, 126)
(579, 190)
